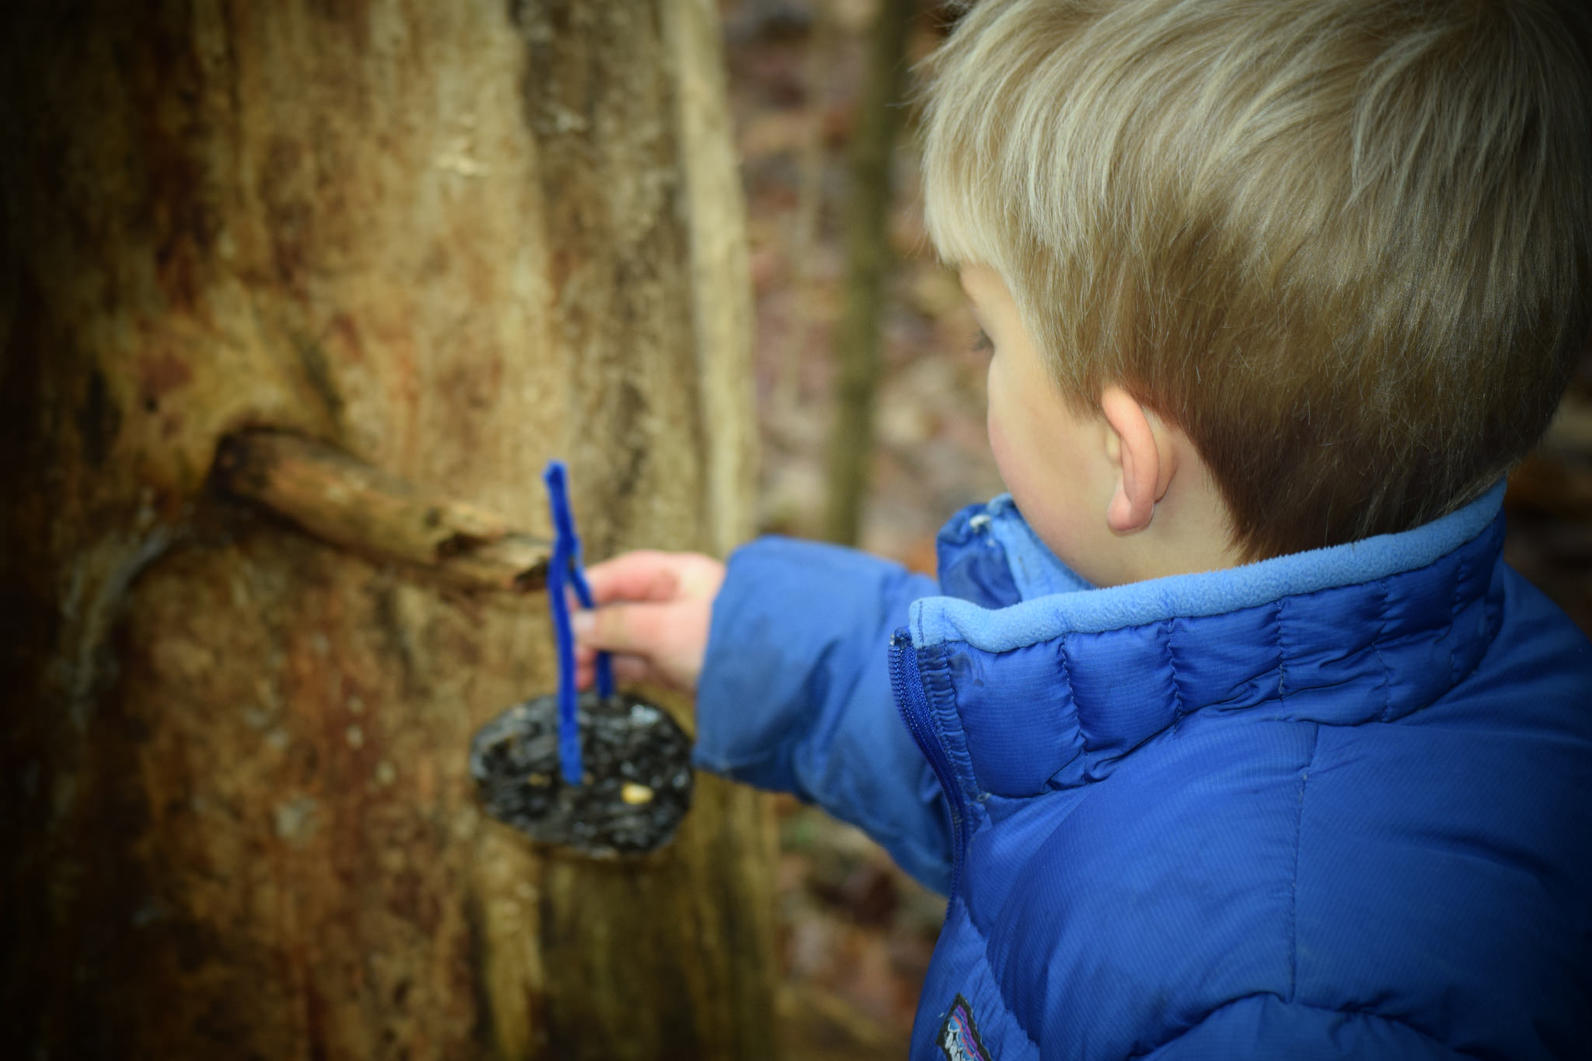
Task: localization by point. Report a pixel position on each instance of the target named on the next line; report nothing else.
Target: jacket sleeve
(1264, 1026)
(795, 694)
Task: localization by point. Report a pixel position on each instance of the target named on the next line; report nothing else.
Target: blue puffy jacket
(1332, 804)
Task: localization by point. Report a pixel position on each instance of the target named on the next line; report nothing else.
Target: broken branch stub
(345, 502)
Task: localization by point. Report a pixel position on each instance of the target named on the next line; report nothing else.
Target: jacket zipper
(907, 683)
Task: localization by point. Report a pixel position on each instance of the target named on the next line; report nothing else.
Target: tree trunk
(868, 262)
(450, 241)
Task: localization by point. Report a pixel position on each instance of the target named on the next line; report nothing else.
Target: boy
(1227, 732)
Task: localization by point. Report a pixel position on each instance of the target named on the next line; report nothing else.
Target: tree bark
(448, 241)
(868, 262)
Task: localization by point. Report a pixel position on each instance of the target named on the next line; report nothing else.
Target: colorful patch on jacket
(959, 1035)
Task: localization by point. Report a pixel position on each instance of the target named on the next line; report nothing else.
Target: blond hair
(1343, 244)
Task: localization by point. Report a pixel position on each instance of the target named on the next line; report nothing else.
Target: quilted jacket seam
(1282, 654)
(1179, 702)
(1454, 605)
(941, 690)
(1070, 691)
(989, 966)
(1384, 606)
(1293, 883)
(1346, 1011)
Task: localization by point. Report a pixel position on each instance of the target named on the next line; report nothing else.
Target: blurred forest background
(856, 933)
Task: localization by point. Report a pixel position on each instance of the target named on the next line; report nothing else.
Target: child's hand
(653, 611)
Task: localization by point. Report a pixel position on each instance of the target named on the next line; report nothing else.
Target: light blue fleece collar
(1057, 601)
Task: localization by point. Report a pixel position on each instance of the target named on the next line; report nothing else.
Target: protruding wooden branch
(347, 503)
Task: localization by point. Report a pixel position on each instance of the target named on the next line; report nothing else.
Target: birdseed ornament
(600, 772)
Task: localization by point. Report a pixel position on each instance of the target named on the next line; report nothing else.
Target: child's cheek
(1000, 447)
(992, 428)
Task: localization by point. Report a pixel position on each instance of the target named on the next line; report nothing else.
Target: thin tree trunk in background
(867, 269)
(451, 241)
(807, 217)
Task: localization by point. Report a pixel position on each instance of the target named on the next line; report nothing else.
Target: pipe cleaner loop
(564, 568)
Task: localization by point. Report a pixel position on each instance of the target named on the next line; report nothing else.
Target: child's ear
(1144, 465)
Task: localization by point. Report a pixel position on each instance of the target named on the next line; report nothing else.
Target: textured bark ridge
(447, 241)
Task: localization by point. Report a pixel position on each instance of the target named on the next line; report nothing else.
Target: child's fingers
(628, 670)
(643, 575)
(631, 629)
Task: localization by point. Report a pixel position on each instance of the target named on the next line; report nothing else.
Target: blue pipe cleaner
(564, 568)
